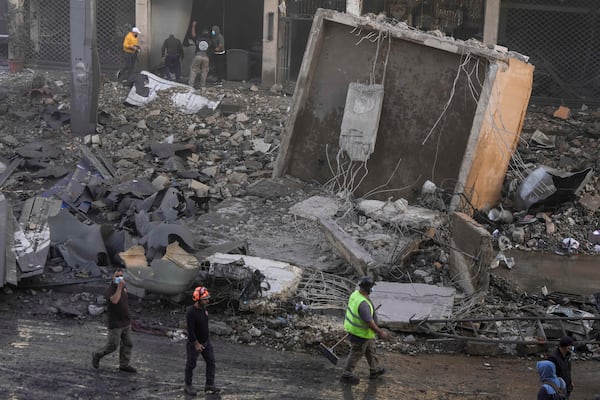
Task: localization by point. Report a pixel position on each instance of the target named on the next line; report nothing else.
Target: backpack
(559, 392)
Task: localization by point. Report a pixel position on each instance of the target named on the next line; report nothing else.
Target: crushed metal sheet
(159, 237)
(10, 168)
(80, 245)
(282, 278)
(166, 150)
(32, 234)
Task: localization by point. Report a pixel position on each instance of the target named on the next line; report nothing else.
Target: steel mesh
(50, 35)
(561, 39)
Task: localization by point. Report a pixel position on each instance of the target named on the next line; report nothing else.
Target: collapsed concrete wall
(451, 112)
(471, 254)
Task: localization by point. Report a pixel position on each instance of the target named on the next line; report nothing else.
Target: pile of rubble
(181, 198)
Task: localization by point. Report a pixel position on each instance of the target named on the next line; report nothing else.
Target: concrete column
(491, 23)
(270, 35)
(354, 7)
(143, 16)
(17, 33)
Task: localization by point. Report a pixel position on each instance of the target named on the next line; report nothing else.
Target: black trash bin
(238, 65)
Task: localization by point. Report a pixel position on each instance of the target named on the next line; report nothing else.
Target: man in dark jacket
(172, 51)
(218, 41)
(198, 342)
(119, 324)
(561, 357)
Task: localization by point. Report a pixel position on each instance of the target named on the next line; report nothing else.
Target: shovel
(328, 351)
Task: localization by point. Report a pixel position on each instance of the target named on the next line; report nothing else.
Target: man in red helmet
(198, 342)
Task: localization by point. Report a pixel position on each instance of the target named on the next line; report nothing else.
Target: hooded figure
(550, 382)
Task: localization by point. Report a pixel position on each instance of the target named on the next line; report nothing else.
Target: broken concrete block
(471, 254)
(403, 302)
(562, 112)
(161, 182)
(200, 188)
(315, 207)
(399, 213)
(348, 248)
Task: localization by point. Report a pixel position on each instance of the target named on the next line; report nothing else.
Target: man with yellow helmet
(362, 329)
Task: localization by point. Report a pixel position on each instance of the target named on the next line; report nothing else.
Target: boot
(212, 389)
(189, 389)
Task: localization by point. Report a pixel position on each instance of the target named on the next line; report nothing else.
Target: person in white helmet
(131, 48)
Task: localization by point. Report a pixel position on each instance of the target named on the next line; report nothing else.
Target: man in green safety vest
(362, 328)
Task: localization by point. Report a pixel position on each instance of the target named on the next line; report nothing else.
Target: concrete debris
(399, 213)
(165, 194)
(401, 303)
(281, 279)
(147, 87)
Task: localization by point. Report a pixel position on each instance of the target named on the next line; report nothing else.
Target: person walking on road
(552, 387)
(119, 325)
(198, 342)
(172, 51)
(130, 50)
(561, 357)
(218, 41)
(201, 62)
(362, 329)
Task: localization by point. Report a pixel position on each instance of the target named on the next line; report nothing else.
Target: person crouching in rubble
(362, 328)
(119, 324)
(198, 342)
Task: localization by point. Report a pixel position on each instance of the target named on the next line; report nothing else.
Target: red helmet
(200, 293)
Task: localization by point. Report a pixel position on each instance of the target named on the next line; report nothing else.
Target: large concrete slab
(578, 274)
(402, 302)
(452, 111)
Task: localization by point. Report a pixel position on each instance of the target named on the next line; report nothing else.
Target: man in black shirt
(198, 342)
(119, 324)
(172, 51)
(561, 357)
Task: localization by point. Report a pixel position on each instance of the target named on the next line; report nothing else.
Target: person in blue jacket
(553, 387)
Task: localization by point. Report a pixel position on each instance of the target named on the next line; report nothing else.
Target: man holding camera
(119, 324)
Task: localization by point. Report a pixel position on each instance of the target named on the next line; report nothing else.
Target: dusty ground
(47, 335)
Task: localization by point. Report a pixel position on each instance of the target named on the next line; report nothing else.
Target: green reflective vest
(352, 323)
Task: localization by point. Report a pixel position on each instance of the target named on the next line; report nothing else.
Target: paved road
(51, 360)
